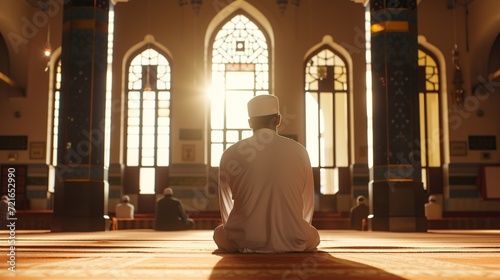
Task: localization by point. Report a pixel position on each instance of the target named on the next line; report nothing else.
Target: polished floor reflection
(342, 254)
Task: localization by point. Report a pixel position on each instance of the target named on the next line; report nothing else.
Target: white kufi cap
(168, 191)
(263, 105)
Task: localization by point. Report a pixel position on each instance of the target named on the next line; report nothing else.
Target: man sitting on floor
(433, 210)
(170, 214)
(124, 210)
(359, 214)
(266, 189)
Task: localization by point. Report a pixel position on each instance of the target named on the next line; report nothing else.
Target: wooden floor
(342, 254)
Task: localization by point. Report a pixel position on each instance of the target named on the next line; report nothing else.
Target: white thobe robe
(124, 210)
(266, 196)
(433, 211)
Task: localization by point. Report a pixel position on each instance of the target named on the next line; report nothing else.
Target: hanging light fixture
(322, 72)
(319, 72)
(283, 4)
(195, 4)
(458, 91)
(47, 51)
(147, 86)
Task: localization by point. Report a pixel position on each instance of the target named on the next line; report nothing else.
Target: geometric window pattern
(148, 116)
(326, 100)
(430, 112)
(148, 110)
(240, 71)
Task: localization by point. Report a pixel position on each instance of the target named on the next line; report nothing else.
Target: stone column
(396, 191)
(81, 189)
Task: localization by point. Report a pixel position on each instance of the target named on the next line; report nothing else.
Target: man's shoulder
(240, 143)
(433, 205)
(168, 199)
(284, 140)
(177, 201)
(124, 205)
(235, 150)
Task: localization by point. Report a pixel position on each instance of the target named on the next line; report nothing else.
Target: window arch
(430, 112)
(240, 71)
(147, 115)
(327, 110)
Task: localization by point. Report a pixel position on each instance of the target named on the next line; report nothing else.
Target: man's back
(170, 214)
(357, 214)
(124, 210)
(270, 179)
(433, 211)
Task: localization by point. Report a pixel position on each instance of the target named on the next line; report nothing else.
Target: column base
(398, 224)
(78, 224)
(397, 206)
(80, 207)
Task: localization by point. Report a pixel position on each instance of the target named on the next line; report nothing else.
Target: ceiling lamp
(283, 4)
(458, 92)
(195, 4)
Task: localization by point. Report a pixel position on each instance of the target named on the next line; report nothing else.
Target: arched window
(147, 116)
(240, 71)
(430, 112)
(327, 125)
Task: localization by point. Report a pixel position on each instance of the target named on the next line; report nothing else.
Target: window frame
(334, 168)
(210, 73)
(135, 175)
(425, 93)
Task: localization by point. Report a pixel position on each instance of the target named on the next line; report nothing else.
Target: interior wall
(182, 34)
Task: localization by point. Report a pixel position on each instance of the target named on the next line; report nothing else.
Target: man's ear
(278, 120)
(249, 123)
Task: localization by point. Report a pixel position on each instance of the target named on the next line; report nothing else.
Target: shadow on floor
(292, 266)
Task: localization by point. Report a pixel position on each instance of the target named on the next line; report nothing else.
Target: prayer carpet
(342, 254)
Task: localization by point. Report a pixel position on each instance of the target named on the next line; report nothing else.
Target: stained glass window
(148, 115)
(430, 135)
(240, 71)
(327, 129)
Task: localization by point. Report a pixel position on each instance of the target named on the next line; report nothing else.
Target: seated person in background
(124, 210)
(359, 213)
(170, 214)
(433, 210)
(4, 211)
